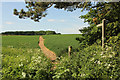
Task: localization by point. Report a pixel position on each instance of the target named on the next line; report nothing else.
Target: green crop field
(60, 43)
(20, 41)
(22, 58)
(56, 43)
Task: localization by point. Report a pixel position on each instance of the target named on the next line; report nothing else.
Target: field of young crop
(20, 41)
(22, 58)
(59, 43)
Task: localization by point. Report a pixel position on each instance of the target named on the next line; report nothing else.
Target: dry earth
(48, 53)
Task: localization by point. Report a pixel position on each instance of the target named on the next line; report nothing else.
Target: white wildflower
(1, 55)
(30, 51)
(92, 59)
(113, 65)
(38, 50)
(82, 75)
(101, 53)
(20, 64)
(33, 57)
(24, 74)
(95, 62)
(110, 47)
(107, 48)
(39, 57)
(39, 61)
(98, 62)
(110, 61)
(108, 65)
(110, 56)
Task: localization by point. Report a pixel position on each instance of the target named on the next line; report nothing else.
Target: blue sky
(57, 20)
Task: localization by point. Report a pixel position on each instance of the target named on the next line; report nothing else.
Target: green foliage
(90, 63)
(50, 32)
(29, 33)
(40, 32)
(98, 12)
(37, 10)
(114, 42)
(23, 64)
(22, 59)
(59, 43)
(20, 41)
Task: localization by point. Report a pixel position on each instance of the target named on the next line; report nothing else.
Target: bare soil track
(49, 54)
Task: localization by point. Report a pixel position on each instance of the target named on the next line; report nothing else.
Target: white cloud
(12, 1)
(2, 26)
(9, 23)
(51, 20)
(82, 20)
(62, 20)
(70, 31)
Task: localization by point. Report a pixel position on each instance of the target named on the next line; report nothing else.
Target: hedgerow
(90, 63)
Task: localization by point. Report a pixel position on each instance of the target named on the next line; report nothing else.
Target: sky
(57, 20)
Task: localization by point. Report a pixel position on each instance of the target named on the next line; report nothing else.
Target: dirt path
(45, 50)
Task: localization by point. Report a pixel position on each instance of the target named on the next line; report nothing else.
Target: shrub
(89, 63)
(25, 64)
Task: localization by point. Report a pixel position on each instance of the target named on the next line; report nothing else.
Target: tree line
(29, 33)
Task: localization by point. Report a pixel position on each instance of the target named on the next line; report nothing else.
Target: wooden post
(69, 50)
(103, 32)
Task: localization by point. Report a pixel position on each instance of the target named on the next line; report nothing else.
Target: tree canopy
(38, 10)
(102, 10)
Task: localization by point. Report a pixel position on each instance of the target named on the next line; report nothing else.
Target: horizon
(59, 21)
(34, 31)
